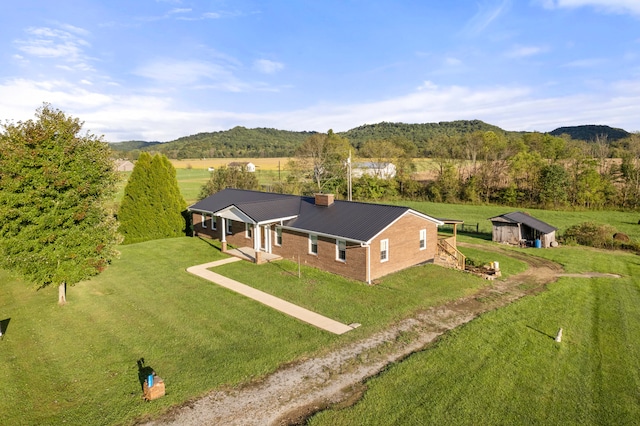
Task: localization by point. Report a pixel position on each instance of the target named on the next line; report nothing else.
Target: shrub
(591, 234)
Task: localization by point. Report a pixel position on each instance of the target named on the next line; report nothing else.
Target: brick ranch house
(357, 240)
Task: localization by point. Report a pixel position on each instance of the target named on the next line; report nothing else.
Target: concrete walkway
(266, 299)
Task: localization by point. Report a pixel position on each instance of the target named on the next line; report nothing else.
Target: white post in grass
(559, 335)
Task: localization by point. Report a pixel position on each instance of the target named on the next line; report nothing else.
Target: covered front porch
(263, 234)
(248, 253)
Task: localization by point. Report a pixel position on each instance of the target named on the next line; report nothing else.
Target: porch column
(223, 233)
(267, 238)
(256, 237)
(455, 239)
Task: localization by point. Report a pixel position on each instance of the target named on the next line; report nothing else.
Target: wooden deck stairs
(448, 255)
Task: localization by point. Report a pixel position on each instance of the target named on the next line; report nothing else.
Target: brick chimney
(324, 199)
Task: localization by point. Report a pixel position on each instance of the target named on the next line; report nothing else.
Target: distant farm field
(205, 163)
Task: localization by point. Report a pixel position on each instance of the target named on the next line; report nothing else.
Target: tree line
(524, 170)
(537, 170)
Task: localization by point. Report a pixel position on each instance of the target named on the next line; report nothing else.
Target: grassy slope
(505, 367)
(77, 364)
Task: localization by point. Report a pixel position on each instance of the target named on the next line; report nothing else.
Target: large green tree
(55, 184)
(323, 158)
(229, 177)
(152, 207)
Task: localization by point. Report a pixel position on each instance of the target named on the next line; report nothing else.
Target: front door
(267, 238)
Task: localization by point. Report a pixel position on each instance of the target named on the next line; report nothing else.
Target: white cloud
(487, 13)
(586, 63)
(177, 11)
(127, 116)
(168, 74)
(607, 6)
(452, 62)
(267, 67)
(175, 72)
(428, 85)
(526, 51)
(50, 43)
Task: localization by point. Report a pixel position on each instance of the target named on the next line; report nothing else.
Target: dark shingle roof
(345, 219)
(257, 205)
(530, 221)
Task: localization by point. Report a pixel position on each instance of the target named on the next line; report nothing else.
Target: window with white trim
(313, 244)
(384, 250)
(214, 223)
(229, 226)
(248, 230)
(423, 239)
(278, 236)
(341, 250)
(204, 220)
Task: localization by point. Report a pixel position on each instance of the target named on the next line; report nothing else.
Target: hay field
(261, 163)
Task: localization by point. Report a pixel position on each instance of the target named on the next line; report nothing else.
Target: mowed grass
(77, 364)
(390, 299)
(190, 182)
(623, 221)
(506, 368)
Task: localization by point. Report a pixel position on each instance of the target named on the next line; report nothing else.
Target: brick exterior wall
(297, 243)
(403, 237)
(404, 245)
(237, 238)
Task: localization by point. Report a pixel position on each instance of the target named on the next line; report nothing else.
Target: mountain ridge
(268, 142)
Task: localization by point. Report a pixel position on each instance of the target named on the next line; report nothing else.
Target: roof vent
(324, 199)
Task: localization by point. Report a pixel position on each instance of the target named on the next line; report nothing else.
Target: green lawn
(505, 367)
(190, 181)
(623, 221)
(77, 364)
(394, 297)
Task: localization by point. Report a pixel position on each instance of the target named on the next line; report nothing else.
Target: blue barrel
(538, 243)
(150, 380)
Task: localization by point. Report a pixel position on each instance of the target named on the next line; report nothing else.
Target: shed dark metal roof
(521, 217)
(345, 219)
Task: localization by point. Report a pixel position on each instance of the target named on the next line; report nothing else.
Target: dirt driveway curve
(295, 391)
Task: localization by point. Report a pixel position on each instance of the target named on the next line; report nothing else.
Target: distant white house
(248, 166)
(379, 170)
(124, 165)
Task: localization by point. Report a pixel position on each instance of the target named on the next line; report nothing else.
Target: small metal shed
(521, 228)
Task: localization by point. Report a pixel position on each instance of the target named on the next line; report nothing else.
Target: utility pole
(349, 176)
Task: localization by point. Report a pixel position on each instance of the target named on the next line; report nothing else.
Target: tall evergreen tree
(54, 187)
(152, 205)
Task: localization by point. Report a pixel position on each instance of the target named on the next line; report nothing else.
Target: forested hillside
(236, 142)
(264, 142)
(419, 134)
(591, 133)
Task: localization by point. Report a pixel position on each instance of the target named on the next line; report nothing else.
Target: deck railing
(446, 249)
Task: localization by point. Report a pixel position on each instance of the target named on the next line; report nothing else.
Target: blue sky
(161, 69)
